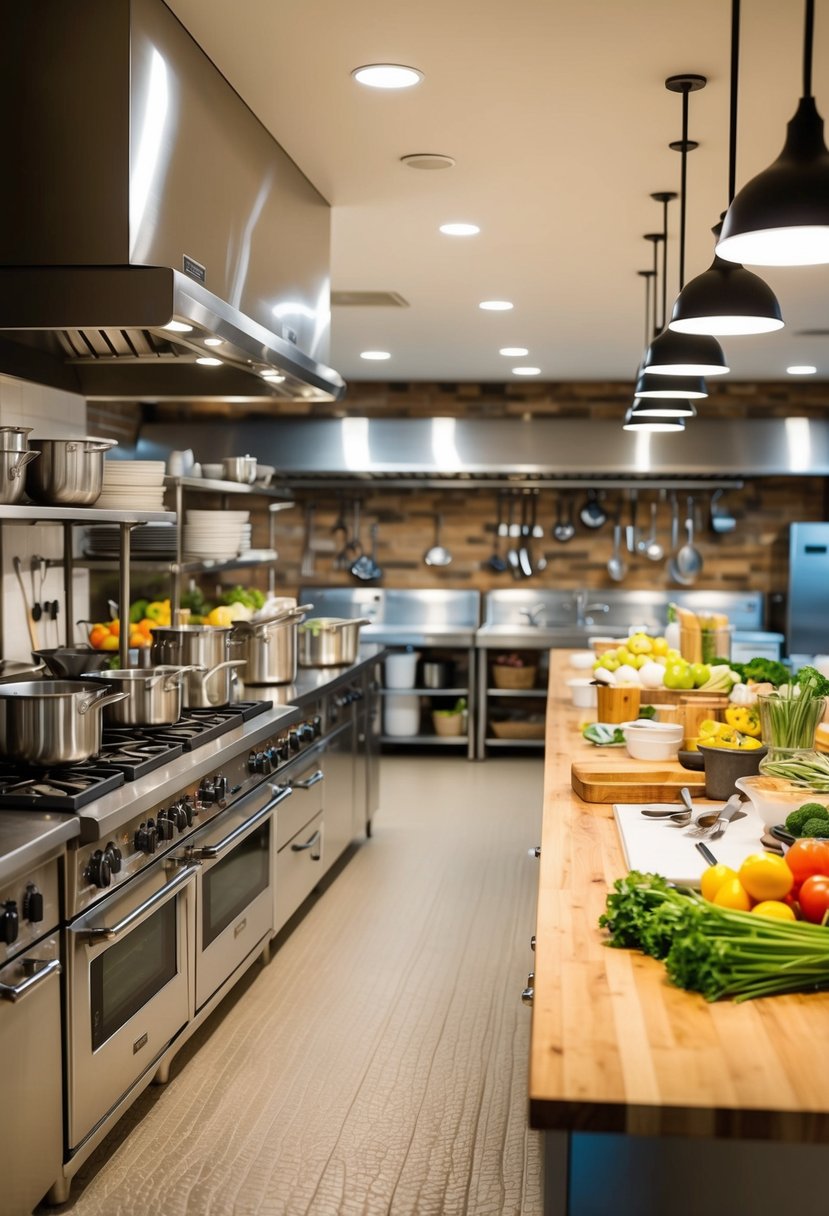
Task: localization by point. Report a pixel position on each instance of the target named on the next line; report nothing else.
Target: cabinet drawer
(306, 800)
(299, 867)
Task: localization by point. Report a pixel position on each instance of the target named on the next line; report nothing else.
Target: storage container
(401, 669)
(401, 716)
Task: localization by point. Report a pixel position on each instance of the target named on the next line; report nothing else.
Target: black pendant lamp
(727, 298)
(672, 353)
(649, 386)
(781, 216)
(655, 407)
(653, 426)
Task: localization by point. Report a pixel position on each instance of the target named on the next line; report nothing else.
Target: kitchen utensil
(354, 547)
(617, 704)
(514, 531)
(366, 568)
(564, 529)
(15, 670)
(18, 569)
(714, 823)
(724, 765)
(616, 566)
(71, 662)
(688, 560)
(54, 609)
(400, 669)
(153, 696)
(592, 514)
(649, 545)
(37, 573)
(269, 646)
(70, 472)
(537, 530)
(705, 853)
(680, 817)
(437, 555)
(204, 650)
(437, 673)
(306, 567)
(495, 562)
(686, 800)
(525, 562)
(240, 468)
(329, 641)
(340, 529)
(46, 722)
(630, 531)
(720, 519)
(12, 468)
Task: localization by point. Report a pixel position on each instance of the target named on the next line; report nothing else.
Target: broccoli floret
(810, 810)
(816, 827)
(812, 683)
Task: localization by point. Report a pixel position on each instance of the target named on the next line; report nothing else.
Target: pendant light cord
(683, 189)
(664, 270)
(808, 42)
(735, 74)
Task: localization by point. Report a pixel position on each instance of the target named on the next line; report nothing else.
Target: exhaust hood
(154, 222)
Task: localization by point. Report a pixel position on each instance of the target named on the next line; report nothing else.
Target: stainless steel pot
(70, 472)
(269, 647)
(13, 462)
(437, 674)
(153, 695)
(204, 650)
(52, 722)
(15, 438)
(240, 468)
(327, 641)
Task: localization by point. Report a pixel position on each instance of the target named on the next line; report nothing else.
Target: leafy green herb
(647, 711)
(762, 671)
(812, 683)
(603, 734)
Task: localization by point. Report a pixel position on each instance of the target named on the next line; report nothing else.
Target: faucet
(534, 615)
(584, 609)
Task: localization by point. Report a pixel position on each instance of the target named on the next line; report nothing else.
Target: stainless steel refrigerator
(807, 611)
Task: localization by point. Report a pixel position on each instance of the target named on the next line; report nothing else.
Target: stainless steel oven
(235, 886)
(131, 985)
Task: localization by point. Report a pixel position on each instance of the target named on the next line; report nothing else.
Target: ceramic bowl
(724, 765)
(582, 660)
(647, 740)
(583, 693)
(774, 798)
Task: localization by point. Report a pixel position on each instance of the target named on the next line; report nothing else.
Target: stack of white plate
(218, 535)
(132, 485)
(149, 540)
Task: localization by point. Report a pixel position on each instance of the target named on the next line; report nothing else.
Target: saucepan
(153, 695)
(327, 641)
(53, 722)
(70, 472)
(204, 651)
(269, 646)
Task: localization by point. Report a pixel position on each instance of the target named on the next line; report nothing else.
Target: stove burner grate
(56, 789)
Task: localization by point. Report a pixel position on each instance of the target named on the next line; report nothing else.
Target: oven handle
(14, 992)
(319, 775)
(107, 933)
(211, 851)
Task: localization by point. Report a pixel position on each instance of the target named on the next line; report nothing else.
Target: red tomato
(807, 857)
(814, 898)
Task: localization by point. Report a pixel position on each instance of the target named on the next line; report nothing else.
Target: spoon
(616, 567)
(437, 555)
(495, 561)
(679, 817)
(688, 560)
(564, 528)
(649, 545)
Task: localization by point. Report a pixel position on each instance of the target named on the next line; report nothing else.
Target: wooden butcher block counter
(671, 1082)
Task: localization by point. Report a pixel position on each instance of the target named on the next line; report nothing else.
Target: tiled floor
(378, 1064)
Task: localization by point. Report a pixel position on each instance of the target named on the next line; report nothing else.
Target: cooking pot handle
(99, 445)
(172, 672)
(361, 620)
(289, 614)
(211, 671)
(101, 697)
(19, 463)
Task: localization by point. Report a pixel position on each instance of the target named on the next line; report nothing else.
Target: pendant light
(654, 426)
(647, 407)
(648, 385)
(671, 353)
(727, 298)
(781, 216)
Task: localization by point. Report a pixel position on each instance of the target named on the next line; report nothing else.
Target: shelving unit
(516, 698)
(460, 657)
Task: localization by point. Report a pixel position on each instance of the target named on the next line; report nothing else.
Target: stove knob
(113, 855)
(316, 726)
(293, 741)
(179, 816)
(282, 749)
(305, 732)
(145, 837)
(220, 787)
(207, 791)
(9, 922)
(165, 827)
(252, 765)
(98, 871)
(186, 805)
(272, 754)
(32, 904)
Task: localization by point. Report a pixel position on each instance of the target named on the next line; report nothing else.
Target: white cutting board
(658, 846)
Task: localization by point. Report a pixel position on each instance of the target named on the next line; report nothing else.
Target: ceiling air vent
(368, 299)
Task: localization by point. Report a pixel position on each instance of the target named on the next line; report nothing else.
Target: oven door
(235, 887)
(130, 984)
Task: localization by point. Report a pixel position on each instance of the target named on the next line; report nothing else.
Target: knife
(725, 816)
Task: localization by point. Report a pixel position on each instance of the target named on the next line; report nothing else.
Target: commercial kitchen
(403, 492)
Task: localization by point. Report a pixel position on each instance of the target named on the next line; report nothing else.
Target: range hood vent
(181, 232)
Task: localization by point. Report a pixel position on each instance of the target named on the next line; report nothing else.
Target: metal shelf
(216, 485)
(31, 514)
(438, 740)
(514, 742)
(517, 692)
(424, 692)
(186, 567)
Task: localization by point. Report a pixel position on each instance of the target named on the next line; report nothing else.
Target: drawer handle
(535, 852)
(319, 775)
(309, 844)
(532, 942)
(40, 972)
(527, 995)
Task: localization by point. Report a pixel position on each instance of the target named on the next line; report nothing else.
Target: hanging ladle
(563, 529)
(437, 555)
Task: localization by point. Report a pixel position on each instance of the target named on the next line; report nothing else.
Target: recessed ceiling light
(427, 160)
(387, 76)
(514, 352)
(801, 369)
(209, 361)
(526, 371)
(495, 305)
(460, 229)
(375, 354)
(213, 341)
(274, 377)
(178, 327)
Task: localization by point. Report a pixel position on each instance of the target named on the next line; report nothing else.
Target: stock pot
(269, 647)
(50, 722)
(13, 461)
(329, 641)
(204, 651)
(153, 696)
(70, 472)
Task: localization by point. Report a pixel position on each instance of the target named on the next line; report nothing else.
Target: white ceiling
(558, 119)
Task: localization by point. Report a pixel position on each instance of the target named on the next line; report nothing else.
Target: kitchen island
(653, 1100)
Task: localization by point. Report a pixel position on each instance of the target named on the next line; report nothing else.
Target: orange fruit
(110, 642)
(115, 628)
(97, 635)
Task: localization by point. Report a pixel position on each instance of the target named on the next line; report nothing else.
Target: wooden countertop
(615, 1047)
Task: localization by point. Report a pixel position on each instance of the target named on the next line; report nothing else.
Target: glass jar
(789, 722)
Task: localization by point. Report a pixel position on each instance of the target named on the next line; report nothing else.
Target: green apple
(701, 673)
(679, 675)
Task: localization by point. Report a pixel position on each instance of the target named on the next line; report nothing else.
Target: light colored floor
(378, 1064)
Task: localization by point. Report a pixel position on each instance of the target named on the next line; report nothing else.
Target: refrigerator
(807, 610)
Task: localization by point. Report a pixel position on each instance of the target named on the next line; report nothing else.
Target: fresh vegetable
(249, 597)
(775, 908)
(603, 735)
(458, 708)
(744, 718)
(713, 878)
(766, 876)
(732, 894)
(138, 611)
(818, 828)
(807, 768)
(720, 734)
(813, 898)
(223, 616)
(807, 857)
(721, 679)
(714, 950)
(790, 715)
(763, 671)
(796, 820)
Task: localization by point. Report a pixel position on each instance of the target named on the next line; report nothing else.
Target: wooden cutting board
(683, 696)
(633, 780)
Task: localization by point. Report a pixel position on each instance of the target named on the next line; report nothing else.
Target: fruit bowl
(773, 797)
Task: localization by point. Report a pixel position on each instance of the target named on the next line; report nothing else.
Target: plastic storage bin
(401, 669)
(401, 716)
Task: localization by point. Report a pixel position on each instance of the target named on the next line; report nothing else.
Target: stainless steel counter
(28, 838)
(311, 681)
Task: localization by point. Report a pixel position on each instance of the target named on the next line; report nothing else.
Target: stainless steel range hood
(153, 220)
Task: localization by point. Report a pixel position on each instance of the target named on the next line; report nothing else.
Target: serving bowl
(582, 692)
(774, 798)
(646, 740)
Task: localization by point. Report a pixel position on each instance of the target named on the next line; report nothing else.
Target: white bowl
(653, 740)
(582, 659)
(583, 692)
(774, 798)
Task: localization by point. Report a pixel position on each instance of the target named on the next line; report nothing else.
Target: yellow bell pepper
(744, 718)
